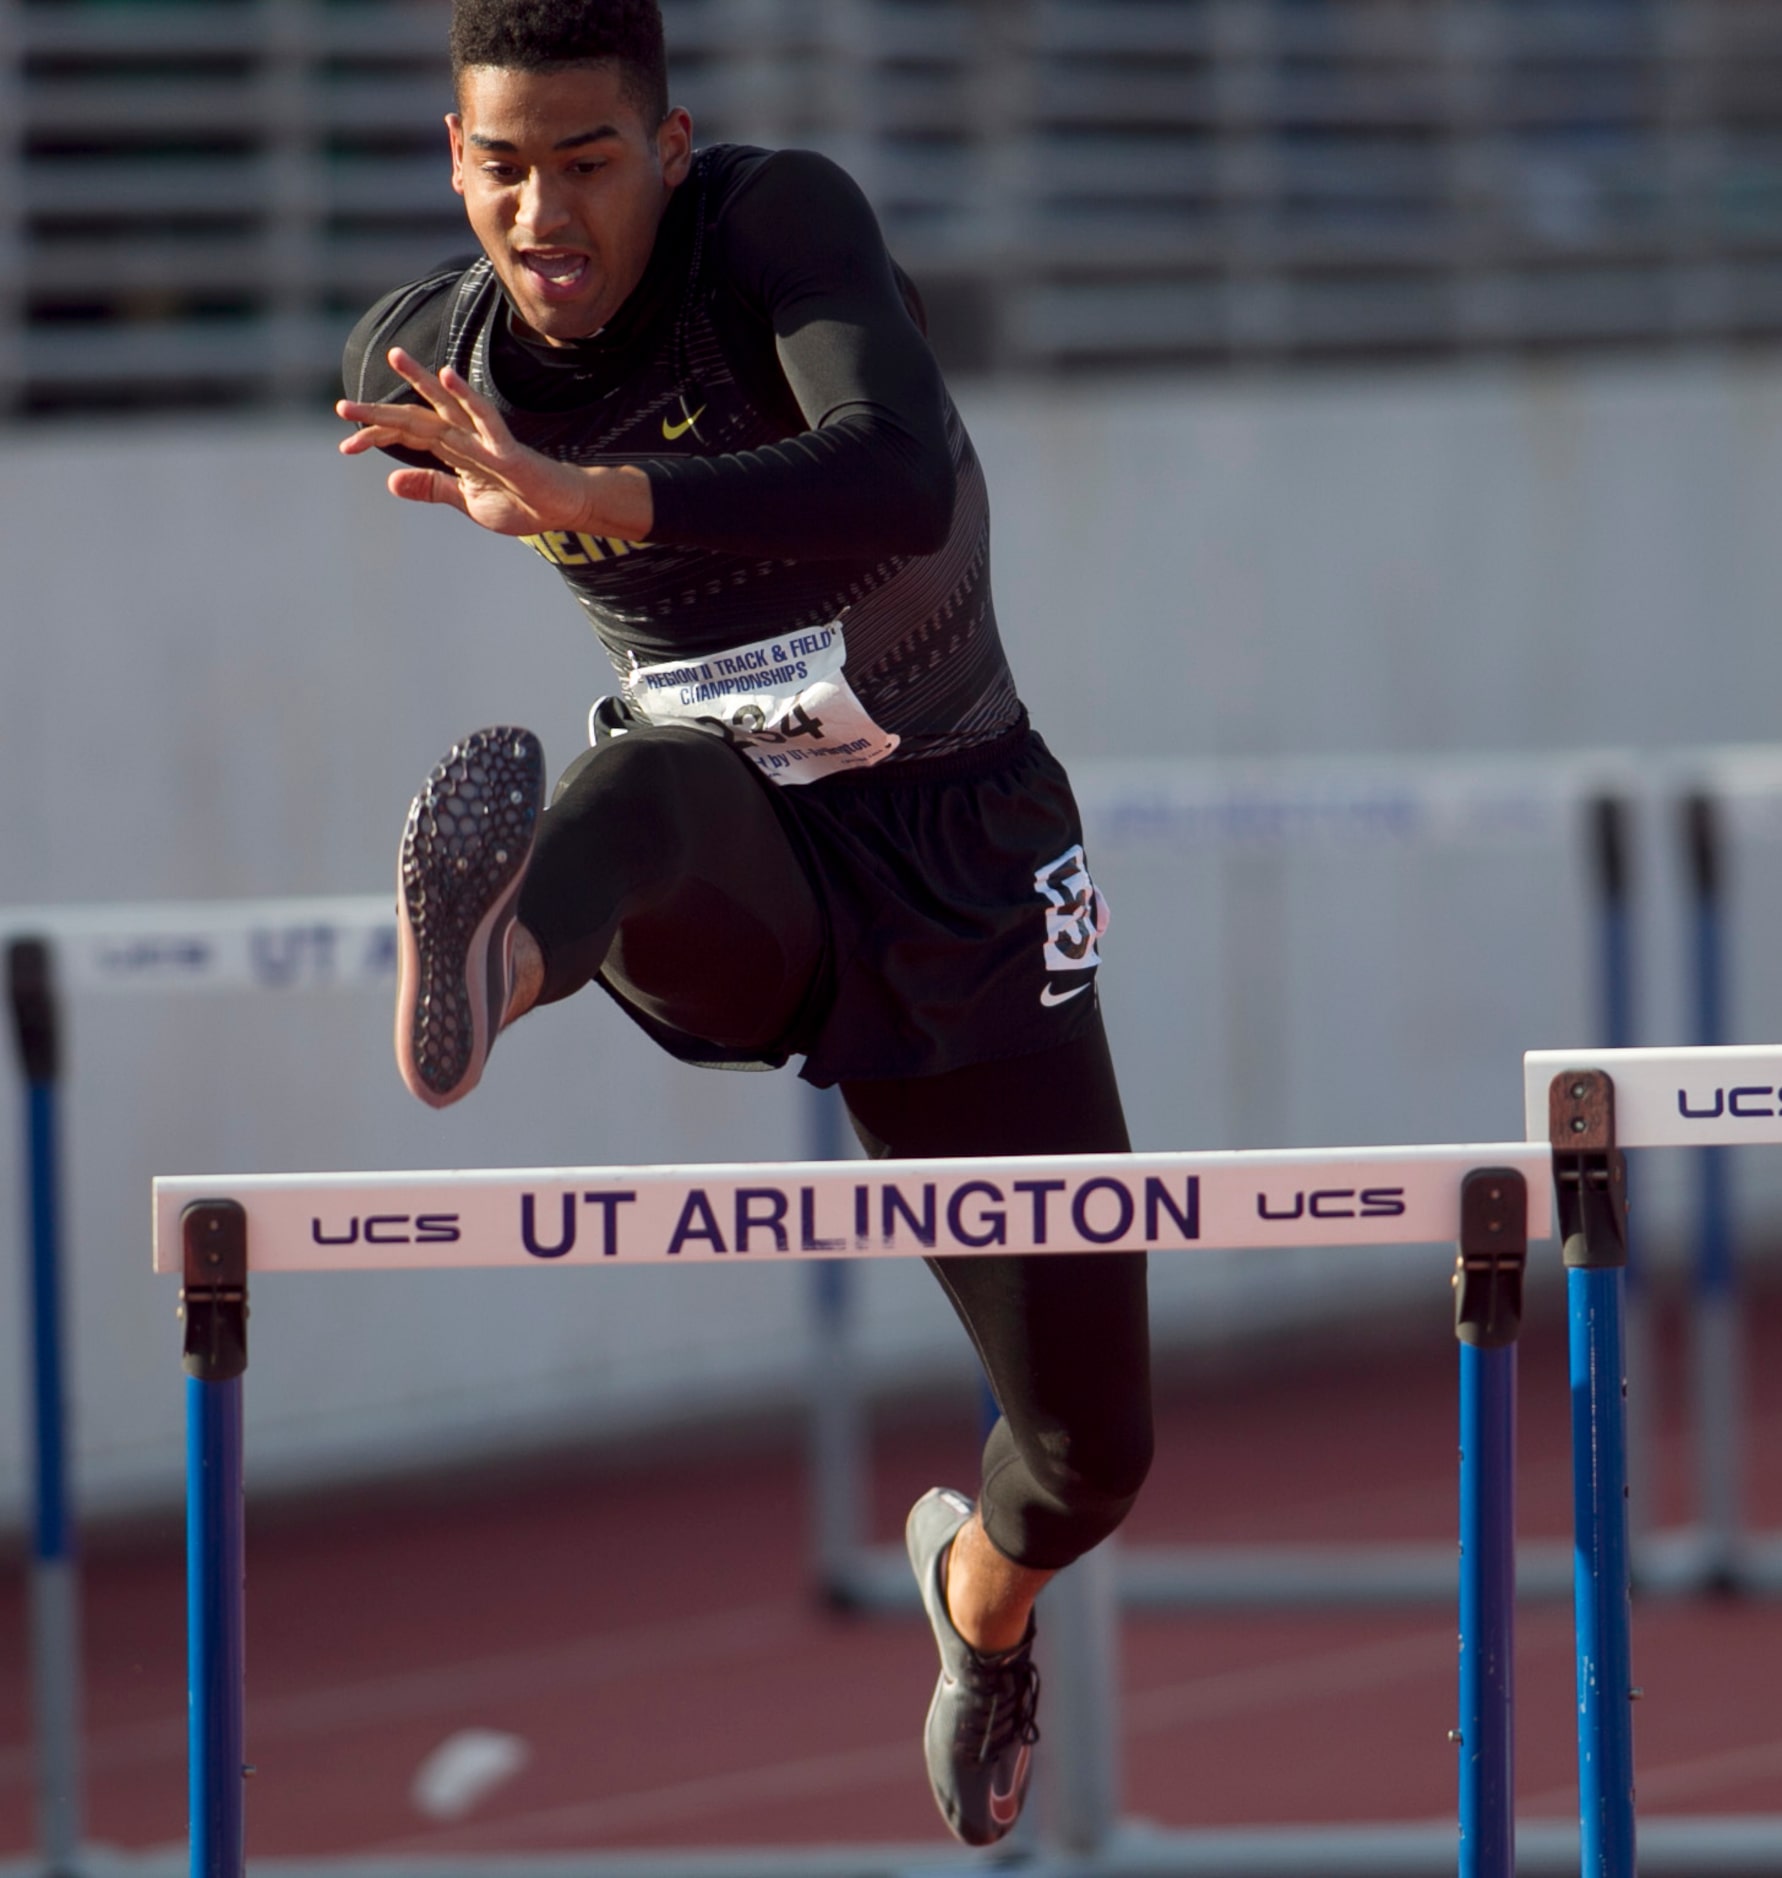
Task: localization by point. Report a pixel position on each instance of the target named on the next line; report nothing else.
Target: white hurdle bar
(1693, 1097)
(1259, 1199)
(215, 1231)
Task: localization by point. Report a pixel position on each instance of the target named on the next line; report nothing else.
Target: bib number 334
(785, 701)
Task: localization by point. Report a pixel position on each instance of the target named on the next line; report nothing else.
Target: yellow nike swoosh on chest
(674, 431)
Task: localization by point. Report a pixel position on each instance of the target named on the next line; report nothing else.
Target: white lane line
(1200, 1699)
(753, 1630)
(1364, 1506)
(1335, 1672)
(1682, 1780)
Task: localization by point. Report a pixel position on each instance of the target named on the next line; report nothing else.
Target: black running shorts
(961, 923)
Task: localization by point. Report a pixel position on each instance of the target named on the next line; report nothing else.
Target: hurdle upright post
(835, 1426)
(54, 1595)
(1714, 1333)
(214, 1303)
(1079, 1766)
(1591, 1194)
(1612, 843)
(1488, 1277)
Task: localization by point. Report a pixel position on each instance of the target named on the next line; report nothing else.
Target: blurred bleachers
(201, 194)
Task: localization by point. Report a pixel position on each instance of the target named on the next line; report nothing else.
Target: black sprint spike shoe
(981, 1733)
(464, 854)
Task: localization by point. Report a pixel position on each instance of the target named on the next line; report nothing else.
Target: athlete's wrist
(618, 503)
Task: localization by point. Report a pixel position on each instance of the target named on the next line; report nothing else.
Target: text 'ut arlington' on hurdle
(884, 1215)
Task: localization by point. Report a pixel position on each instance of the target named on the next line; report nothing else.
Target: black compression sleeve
(873, 475)
(412, 317)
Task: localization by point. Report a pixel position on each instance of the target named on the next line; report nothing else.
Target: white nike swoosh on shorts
(1049, 996)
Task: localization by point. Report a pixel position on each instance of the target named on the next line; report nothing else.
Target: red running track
(646, 1631)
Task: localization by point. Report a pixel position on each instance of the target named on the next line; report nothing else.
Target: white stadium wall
(227, 658)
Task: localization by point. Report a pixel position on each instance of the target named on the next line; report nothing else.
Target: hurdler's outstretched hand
(500, 484)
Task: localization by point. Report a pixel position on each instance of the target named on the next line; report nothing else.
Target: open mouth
(557, 274)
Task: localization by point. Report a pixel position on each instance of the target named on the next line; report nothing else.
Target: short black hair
(550, 35)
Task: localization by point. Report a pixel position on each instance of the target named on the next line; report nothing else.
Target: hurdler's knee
(642, 764)
(640, 799)
(1098, 1479)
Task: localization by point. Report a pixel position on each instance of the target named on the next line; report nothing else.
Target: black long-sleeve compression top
(819, 470)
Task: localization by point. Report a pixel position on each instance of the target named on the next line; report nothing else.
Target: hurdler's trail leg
(214, 1303)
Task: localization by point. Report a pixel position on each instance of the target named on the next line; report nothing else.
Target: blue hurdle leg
(1604, 1615)
(214, 1300)
(215, 1626)
(1590, 1186)
(1487, 1612)
(1715, 1339)
(1487, 1320)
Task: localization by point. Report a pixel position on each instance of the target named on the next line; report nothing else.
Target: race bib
(784, 701)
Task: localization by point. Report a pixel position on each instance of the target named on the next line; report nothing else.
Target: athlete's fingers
(456, 448)
(357, 412)
(373, 430)
(484, 418)
(423, 485)
(404, 426)
(381, 437)
(456, 426)
(446, 402)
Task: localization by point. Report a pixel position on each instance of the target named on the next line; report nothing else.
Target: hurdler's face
(565, 185)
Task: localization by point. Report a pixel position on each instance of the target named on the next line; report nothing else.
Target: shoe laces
(1003, 1693)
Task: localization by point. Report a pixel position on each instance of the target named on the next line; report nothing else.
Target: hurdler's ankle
(990, 1599)
(528, 979)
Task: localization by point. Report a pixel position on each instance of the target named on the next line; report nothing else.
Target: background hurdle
(1714, 1551)
(1720, 803)
(215, 1230)
(55, 1592)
